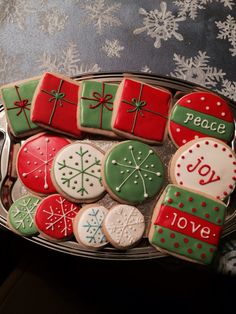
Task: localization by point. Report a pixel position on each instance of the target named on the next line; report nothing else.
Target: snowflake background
(192, 40)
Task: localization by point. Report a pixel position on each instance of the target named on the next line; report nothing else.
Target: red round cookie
(34, 162)
(54, 217)
(201, 114)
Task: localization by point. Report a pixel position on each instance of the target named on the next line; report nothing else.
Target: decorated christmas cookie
(21, 215)
(201, 114)
(17, 98)
(187, 224)
(205, 165)
(132, 172)
(54, 217)
(55, 103)
(34, 162)
(124, 226)
(87, 226)
(76, 172)
(96, 106)
(141, 111)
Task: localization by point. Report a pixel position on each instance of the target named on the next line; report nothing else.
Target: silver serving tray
(11, 189)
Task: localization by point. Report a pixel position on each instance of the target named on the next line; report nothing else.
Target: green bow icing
(138, 106)
(57, 96)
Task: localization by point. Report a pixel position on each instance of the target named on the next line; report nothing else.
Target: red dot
(182, 157)
(225, 193)
(190, 199)
(234, 163)
(234, 170)
(162, 240)
(176, 244)
(177, 194)
(219, 221)
(234, 178)
(172, 235)
(199, 246)
(215, 145)
(190, 151)
(198, 145)
(211, 250)
(218, 197)
(216, 209)
(207, 215)
(160, 230)
(190, 251)
(224, 149)
(230, 156)
(203, 204)
(194, 210)
(181, 182)
(230, 186)
(181, 205)
(170, 200)
(178, 174)
(178, 165)
(203, 255)
(206, 142)
(186, 240)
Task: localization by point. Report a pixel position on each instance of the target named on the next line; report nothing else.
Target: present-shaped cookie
(141, 111)
(187, 224)
(96, 107)
(17, 99)
(55, 104)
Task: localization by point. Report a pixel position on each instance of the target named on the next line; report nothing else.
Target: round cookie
(76, 172)
(20, 217)
(201, 114)
(54, 217)
(206, 165)
(87, 226)
(132, 172)
(124, 226)
(34, 161)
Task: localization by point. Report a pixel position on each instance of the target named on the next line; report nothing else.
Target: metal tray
(11, 188)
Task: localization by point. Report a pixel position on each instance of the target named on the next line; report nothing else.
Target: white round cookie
(76, 172)
(123, 226)
(87, 226)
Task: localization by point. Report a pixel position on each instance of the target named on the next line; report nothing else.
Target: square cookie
(187, 224)
(141, 111)
(55, 103)
(96, 107)
(17, 99)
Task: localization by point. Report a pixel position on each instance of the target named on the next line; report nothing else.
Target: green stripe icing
(19, 118)
(202, 254)
(21, 215)
(195, 204)
(202, 123)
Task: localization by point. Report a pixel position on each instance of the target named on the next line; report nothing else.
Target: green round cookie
(21, 215)
(133, 172)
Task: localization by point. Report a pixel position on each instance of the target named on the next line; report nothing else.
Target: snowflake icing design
(52, 21)
(112, 48)
(196, 69)
(228, 89)
(138, 169)
(62, 216)
(227, 30)
(161, 25)
(93, 227)
(25, 213)
(67, 62)
(146, 69)
(80, 171)
(101, 14)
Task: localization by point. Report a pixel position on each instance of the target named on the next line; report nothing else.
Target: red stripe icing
(188, 224)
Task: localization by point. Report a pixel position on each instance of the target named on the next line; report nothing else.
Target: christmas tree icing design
(80, 170)
(61, 218)
(93, 226)
(137, 168)
(23, 213)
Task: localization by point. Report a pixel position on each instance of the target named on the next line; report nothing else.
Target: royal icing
(21, 215)
(133, 171)
(35, 159)
(201, 114)
(54, 217)
(124, 226)
(207, 166)
(96, 105)
(17, 100)
(142, 111)
(77, 171)
(88, 226)
(188, 224)
(55, 104)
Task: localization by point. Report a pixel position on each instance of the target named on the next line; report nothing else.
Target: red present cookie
(34, 162)
(54, 217)
(141, 111)
(187, 224)
(201, 114)
(55, 103)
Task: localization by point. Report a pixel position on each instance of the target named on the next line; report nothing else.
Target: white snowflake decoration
(227, 30)
(101, 14)
(25, 212)
(196, 69)
(93, 226)
(52, 21)
(161, 25)
(9, 67)
(146, 69)
(112, 48)
(67, 62)
(228, 89)
(61, 217)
